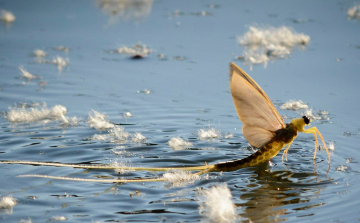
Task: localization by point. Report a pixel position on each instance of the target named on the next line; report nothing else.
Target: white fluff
(62, 48)
(7, 202)
(118, 134)
(277, 51)
(262, 44)
(133, 51)
(341, 168)
(125, 10)
(215, 205)
(208, 134)
(179, 178)
(58, 218)
(320, 115)
(354, 12)
(26, 221)
(6, 16)
(60, 62)
(127, 114)
(253, 57)
(271, 36)
(57, 61)
(229, 136)
(138, 137)
(26, 74)
(179, 144)
(145, 91)
(34, 114)
(310, 114)
(39, 53)
(99, 121)
(120, 165)
(99, 137)
(73, 121)
(332, 146)
(294, 105)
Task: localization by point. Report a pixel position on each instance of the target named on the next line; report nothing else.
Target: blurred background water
(179, 86)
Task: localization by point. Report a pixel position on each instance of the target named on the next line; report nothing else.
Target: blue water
(186, 95)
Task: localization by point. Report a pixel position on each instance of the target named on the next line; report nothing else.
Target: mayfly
(263, 128)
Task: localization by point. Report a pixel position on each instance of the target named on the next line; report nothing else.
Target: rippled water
(178, 89)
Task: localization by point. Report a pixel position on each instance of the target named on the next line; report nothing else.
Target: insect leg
(286, 151)
(322, 139)
(314, 130)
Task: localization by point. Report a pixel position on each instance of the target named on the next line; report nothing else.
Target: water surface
(175, 95)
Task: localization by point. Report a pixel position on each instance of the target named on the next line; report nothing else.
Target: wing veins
(249, 80)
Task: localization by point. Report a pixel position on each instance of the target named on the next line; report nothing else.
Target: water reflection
(274, 196)
(125, 10)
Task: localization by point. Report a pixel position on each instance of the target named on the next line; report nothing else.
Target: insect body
(266, 152)
(263, 127)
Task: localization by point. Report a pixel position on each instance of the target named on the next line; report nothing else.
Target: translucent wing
(254, 108)
(257, 136)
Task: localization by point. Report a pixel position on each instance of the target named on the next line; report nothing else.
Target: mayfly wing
(254, 108)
